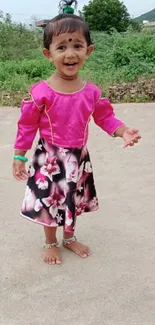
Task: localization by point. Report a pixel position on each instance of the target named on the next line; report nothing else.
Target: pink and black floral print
(60, 186)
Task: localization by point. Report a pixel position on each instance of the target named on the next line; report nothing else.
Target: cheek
(82, 56)
(58, 59)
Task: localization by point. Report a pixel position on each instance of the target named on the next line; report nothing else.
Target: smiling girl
(60, 182)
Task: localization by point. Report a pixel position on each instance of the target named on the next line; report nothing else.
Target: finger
(16, 175)
(25, 173)
(23, 177)
(136, 138)
(135, 130)
(20, 174)
(126, 144)
(135, 134)
(130, 143)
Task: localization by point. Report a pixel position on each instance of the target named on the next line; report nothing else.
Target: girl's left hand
(131, 136)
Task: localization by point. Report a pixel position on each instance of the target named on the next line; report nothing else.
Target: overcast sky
(23, 10)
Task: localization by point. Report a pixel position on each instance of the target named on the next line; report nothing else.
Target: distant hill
(148, 16)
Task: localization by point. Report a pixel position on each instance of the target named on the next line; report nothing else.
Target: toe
(53, 261)
(49, 261)
(87, 252)
(81, 253)
(46, 260)
(52, 256)
(84, 252)
(58, 261)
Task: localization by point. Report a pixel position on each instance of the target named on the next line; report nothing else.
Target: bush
(118, 58)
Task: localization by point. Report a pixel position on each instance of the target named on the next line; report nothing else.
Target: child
(60, 179)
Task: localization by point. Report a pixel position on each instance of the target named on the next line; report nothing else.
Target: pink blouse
(62, 119)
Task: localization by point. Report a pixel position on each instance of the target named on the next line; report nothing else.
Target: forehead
(68, 37)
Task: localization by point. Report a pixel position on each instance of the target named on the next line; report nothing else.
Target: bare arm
(120, 131)
(20, 152)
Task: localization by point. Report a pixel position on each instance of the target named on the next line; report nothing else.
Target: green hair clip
(67, 6)
(68, 10)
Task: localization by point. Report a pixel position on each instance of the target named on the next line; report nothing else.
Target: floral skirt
(60, 186)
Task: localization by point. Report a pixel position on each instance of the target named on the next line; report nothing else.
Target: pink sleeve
(28, 124)
(105, 118)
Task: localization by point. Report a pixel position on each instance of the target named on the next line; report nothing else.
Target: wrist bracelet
(22, 158)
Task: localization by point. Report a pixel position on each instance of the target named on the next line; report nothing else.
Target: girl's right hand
(19, 171)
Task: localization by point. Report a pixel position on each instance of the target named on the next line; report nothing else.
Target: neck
(57, 82)
(60, 76)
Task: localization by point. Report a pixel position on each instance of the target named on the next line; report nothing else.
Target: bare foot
(78, 248)
(52, 256)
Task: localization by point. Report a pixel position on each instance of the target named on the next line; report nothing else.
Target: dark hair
(65, 23)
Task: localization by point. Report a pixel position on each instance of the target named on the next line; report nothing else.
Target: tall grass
(117, 58)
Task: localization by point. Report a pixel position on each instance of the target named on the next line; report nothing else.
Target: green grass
(117, 59)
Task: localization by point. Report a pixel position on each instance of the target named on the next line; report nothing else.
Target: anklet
(48, 246)
(68, 241)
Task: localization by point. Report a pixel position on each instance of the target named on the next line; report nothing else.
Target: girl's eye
(78, 46)
(61, 48)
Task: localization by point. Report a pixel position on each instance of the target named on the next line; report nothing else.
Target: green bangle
(22, 158)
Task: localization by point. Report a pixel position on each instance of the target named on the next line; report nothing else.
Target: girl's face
(68, 52)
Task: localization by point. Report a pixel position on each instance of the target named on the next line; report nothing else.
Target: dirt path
(116, 285)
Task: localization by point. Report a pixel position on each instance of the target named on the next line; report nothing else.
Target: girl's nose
(70, 53)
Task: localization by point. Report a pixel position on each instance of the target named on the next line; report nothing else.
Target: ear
(47, 54)
(90, 49)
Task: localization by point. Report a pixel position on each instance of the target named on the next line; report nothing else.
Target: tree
(104, 15)
(8, 19)
(136, 26)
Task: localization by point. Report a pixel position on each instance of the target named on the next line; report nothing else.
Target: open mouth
(70, 64)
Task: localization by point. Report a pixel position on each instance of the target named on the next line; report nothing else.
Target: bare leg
(51, 255)
(75, 246)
